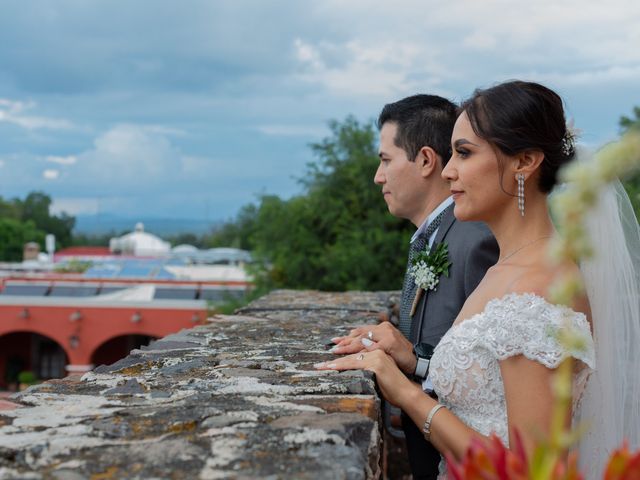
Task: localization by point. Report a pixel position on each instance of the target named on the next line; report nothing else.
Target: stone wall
(234, 398)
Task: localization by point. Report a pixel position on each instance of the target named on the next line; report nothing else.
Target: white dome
(184, 248)
(140, 244)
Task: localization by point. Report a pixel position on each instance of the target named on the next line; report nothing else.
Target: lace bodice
(465, 368)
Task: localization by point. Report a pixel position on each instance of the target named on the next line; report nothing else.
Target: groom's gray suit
(472, 250)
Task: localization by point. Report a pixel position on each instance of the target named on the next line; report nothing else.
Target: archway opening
(118, 347)
(29, 357)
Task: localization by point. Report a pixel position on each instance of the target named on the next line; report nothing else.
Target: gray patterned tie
(409, 286)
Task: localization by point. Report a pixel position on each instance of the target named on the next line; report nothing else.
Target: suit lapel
(445, 225)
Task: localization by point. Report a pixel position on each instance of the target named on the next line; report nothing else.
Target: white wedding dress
(465, 368)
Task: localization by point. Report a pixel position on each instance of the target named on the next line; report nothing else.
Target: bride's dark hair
(517, 116)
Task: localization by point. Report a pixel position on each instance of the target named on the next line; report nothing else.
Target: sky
(194, 108)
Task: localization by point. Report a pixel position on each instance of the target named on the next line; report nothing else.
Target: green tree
(629, 123)
(632, 184)
(336, 235)
(36, 207)
(235, 233)
(29, 220)
(14, 234)
(10, 208)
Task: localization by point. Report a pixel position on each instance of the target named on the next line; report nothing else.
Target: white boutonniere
(427, 266)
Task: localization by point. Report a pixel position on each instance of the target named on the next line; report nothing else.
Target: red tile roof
(84, 251)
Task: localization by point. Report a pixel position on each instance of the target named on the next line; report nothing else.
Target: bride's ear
(528, 162)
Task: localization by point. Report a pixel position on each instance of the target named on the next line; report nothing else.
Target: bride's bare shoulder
(541, 279)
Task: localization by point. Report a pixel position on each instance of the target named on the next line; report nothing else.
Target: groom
(415, 144)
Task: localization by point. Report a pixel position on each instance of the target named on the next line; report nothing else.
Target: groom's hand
(378, 337)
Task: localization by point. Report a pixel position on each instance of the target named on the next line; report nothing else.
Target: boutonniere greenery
(428, 265)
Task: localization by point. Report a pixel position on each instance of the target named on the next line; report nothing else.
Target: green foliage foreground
(632, 183)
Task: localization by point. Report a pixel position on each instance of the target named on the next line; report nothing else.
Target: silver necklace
(522, 247)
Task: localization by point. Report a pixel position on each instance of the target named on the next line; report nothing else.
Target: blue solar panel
(36, 290)
(104, 270)
(220, 294)
(136, 271)
(71, 290)
(112, 288)
(164, 274)
(176, 293)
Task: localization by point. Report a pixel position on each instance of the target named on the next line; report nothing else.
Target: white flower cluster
(424, 276)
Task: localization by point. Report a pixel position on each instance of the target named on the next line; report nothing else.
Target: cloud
(415, 45)
(593, 76)
(15, 112)
(219, 101)
(356, 68)
(480, 41)
(292, 130)
(50, 174)
(133, 160)
(75, 206)
(69, 160)
(128, 156)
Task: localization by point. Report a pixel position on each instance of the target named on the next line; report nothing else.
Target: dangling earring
(520, 180)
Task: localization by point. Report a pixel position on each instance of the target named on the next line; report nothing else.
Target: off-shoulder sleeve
(526, 324)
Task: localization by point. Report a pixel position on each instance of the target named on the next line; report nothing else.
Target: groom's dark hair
(422, 121)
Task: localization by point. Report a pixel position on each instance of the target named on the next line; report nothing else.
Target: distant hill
(105, 223)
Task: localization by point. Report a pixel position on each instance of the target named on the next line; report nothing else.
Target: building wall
(80, 329)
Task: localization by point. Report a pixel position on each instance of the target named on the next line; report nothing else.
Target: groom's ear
(529, 161)
(428, 161)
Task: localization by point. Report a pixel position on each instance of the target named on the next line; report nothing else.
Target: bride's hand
(393, 384)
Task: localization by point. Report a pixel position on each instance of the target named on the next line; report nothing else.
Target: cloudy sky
(192, 108)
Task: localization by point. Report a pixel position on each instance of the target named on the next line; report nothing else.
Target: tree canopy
(337, 234)
(29, 220)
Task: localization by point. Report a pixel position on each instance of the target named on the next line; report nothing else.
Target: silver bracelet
(426, 429)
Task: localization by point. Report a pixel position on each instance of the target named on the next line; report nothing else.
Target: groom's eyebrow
(462, 141)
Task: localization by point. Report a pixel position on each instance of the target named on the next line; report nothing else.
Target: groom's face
(401, 180)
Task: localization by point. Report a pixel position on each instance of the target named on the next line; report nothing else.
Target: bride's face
(474, 175)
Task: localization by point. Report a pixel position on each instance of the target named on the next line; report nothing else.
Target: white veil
(610, 405)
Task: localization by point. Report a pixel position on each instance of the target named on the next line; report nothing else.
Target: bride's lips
(456, 193)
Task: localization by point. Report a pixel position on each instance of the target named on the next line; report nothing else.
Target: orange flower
(623, 464)
(490, 460)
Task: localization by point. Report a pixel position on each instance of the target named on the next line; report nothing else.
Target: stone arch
(118, 346)
(31, 350)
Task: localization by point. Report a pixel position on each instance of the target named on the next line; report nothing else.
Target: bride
(493, 370)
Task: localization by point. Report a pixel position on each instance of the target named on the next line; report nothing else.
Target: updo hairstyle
(517, 116)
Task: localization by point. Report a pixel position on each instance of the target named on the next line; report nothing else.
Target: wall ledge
(234, 398)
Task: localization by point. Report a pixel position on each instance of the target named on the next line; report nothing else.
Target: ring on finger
(370, 335)
(361, 356)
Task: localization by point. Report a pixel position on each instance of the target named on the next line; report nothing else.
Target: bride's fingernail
(366, 342)
(336, 339)
(318, 365)
(331, 365)
(335, 349)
